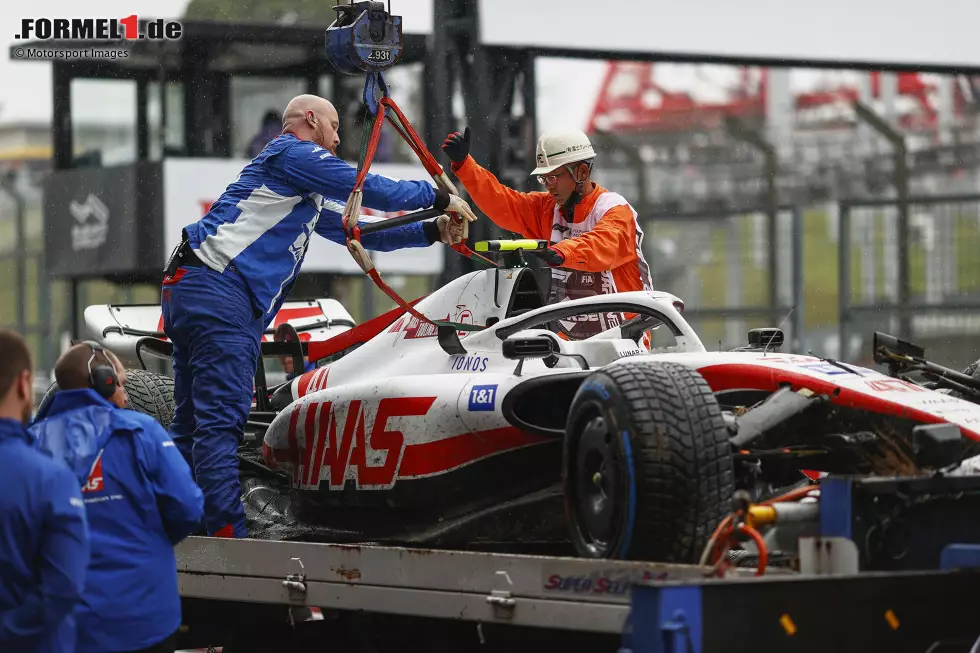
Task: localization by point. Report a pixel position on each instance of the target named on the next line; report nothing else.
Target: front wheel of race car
(647, 466)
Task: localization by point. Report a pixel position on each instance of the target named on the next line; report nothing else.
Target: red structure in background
(630, 100)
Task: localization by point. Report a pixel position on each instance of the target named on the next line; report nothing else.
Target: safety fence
(25, 295)
(911, 268)
(734, 270)
(826, 274)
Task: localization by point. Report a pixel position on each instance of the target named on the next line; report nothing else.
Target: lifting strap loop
(379, 110)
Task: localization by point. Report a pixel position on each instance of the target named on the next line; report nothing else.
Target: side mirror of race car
(894, 345)
(766, 338)
(531, 347)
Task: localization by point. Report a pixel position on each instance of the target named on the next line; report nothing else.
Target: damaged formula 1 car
(627, 444)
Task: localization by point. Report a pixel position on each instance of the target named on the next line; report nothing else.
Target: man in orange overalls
(594, 234)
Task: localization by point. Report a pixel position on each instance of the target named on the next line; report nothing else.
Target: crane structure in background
(678, 134)
(631, 100)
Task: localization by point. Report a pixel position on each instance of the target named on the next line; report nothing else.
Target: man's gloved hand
(450, 231)
(457, 146)
(553, 257)
(453, 204)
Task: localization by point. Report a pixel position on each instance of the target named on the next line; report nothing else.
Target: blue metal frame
(960, 556)
(671, 620)
(835, 507)
(671, 617)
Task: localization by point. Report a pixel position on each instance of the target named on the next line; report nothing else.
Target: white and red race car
(628, 444)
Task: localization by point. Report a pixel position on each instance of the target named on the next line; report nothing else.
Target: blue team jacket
(263, 221)
(140, 500)
(44, 547)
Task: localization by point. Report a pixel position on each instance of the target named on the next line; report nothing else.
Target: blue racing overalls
(231, 275)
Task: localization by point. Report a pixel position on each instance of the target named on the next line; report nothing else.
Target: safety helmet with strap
(560, 147)
(564, 147)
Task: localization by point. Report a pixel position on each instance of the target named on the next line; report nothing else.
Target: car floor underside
(522, 518)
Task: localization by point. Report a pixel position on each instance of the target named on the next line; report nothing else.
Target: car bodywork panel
(447, 429)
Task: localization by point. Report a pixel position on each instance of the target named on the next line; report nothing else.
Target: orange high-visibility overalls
(601, 244)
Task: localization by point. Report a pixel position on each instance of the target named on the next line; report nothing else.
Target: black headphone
(102, 378)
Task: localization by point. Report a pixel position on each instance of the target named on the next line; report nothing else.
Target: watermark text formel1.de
(82, 29)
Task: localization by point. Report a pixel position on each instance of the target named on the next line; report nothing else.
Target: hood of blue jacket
(75, 429)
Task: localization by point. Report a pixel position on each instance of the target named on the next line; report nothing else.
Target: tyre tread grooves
(682, 458)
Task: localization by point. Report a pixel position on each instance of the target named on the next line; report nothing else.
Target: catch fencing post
(843, 276)
(797, 277)
(901, 183)
(737, 130)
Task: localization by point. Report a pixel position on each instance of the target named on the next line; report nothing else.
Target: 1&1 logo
(482, 397)
(98, 29)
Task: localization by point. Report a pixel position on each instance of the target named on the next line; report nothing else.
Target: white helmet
(559, 147)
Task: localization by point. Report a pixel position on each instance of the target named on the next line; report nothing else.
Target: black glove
(553, 257)
(442, 199)
(431, 230)
(457, 146)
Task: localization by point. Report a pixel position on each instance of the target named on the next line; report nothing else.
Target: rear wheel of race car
(149, 393)
(647, 466)
(152, 394)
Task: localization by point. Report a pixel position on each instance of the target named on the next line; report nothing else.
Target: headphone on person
(102, 378)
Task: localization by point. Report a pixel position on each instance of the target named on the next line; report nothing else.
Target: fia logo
(483, 397)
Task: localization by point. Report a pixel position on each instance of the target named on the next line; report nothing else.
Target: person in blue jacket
(44, 539)
(140, 498)
(226, 281)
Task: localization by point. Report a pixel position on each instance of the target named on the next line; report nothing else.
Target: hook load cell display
(364, 38)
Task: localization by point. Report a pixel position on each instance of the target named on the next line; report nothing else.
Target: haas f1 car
(627, 444)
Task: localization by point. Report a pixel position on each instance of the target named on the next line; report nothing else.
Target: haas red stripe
(325, 420)
(338, 439)
(733, 376)
(432, 458)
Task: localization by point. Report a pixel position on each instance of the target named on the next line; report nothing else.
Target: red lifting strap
(387, 108)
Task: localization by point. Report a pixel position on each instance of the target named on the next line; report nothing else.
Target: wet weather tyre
(44, 405)
(149, 393)
(152, 394)
(646, 466)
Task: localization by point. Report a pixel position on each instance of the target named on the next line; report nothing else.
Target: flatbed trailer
(468, 592)
(849, 593)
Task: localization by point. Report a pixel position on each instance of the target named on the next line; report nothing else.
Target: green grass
(755, 280)
(820, 276)
(820, 268)
(967, 264)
